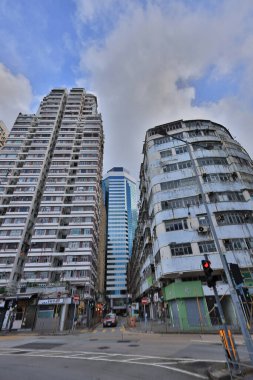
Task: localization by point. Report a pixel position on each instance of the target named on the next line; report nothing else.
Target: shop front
(51, 314)
(18, 312)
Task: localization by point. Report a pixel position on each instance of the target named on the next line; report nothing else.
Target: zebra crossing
(171, 364)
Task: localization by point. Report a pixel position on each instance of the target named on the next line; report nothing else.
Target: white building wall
(229, 159)
(63, 242)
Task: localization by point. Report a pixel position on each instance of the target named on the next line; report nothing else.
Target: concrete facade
(173, 232)
(51, 172)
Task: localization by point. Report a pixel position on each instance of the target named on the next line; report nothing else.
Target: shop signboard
(55, 301)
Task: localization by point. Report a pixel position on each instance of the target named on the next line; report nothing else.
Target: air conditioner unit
(203, 229)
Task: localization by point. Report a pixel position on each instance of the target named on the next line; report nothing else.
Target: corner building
(51, 172)
(174, 234)
(121, 206)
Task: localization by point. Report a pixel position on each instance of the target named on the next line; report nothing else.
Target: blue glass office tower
(121, 206)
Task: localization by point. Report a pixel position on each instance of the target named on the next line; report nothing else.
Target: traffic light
(236, 273)
(246, 301)
(210, 279)
(247, 296)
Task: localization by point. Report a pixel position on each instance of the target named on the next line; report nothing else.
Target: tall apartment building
(174, 233)
(50, 175)
(3, 133)
(121, 206)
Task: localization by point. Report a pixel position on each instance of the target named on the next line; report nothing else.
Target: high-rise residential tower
(174, 232)
(120, 201)
(51, 172)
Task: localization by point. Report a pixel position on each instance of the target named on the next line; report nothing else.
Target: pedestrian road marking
(156, 361)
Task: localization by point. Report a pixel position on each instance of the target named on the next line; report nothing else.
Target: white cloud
(136, 71)
(88, 10)
(15, 95)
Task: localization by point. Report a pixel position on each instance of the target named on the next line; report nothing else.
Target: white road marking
(129, 360)
(34, 351)
(111, 357)
(183, 371)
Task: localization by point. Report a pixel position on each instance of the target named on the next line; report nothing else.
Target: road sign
(145, 301)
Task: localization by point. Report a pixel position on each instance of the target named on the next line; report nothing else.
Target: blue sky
(148, 62)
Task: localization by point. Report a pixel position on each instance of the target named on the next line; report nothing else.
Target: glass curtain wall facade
(120, 201)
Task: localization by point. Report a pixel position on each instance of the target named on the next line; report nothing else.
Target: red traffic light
(208, 271)
(206, 264)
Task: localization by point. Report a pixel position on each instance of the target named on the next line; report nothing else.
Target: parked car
(110, 320)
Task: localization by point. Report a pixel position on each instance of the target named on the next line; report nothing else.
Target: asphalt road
(108, 354)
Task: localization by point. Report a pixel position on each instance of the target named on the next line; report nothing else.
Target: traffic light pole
(233, 293)
(230, 352)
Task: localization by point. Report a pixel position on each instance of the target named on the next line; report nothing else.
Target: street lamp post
(233, 293)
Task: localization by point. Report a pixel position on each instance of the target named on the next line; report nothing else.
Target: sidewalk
(43, 333)
(157, 327)
(163, 327)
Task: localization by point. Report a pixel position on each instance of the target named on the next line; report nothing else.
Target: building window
(178, 166)
(195, 133)
(203, 220)
(16, 232)
(74, 244)
(181, 149)
(209, 132)
(170, 168)
(234, 244)
(178, 183)
(230, 197)
(236, 217)
(181, 249)
(162, 140)
(226, 197)
(212, 161)
(176, 225)
(217, 177)
(207, 246)
(184, 165)
(166, 153)
(181, 203)
(207, 145)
